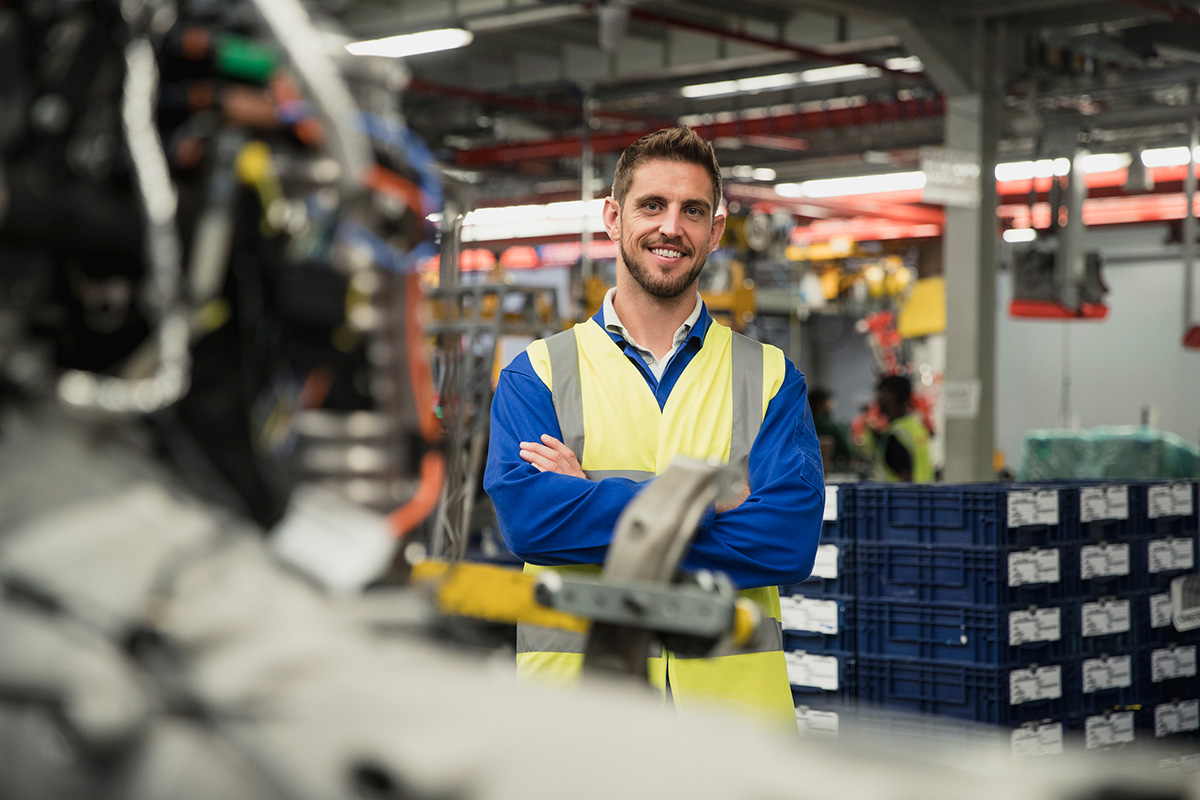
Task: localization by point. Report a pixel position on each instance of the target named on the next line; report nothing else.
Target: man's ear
(612, 218)
(717, 230)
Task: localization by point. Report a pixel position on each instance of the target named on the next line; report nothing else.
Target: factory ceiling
(806, 88)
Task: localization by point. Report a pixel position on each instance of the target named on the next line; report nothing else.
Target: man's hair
(672, 144)
(897, 385)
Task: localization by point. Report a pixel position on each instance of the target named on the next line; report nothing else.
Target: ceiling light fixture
(412, 44)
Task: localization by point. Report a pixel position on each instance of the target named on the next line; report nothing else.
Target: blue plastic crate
(1169, 672)
(1111, 566)
(974, 634)
(822, 679)
(1162, 558)
(1108, 509)
(978, 576)
(1106, 681)
(975, 515)
(1157, 515)
(833, 573)
(1108, 728)
(818, 624)
(1105, 624)
(983, 693)
(1152, 621)
(1174, 721)
(839, 513)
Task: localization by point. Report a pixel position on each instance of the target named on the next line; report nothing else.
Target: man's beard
(667, 288)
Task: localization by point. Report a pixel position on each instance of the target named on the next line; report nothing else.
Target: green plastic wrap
(1125, 452)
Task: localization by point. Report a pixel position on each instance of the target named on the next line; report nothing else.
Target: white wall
(1132, 359)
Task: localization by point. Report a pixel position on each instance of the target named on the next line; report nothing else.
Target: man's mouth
(667, 252)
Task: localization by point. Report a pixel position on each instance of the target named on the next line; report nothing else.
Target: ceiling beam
(796, 124)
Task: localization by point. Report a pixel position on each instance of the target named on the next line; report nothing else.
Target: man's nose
(669, 223)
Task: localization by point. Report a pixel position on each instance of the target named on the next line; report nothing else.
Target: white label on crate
(831, 493)
(1105, 617)
(816, 723)
(1033, 508)
(1107, 672)
(1169, 500)
(806, 669)
(1103, 502)
(1044, 740)
(1169, 554)
(1033, 566)
(1106, 730)
(1160, 610)
(1035, 625)
(1104, 560)
(1176, 717)
(1185, 764)
(826, 563)
(1172, 662)
(1035, 683)
(807, 614)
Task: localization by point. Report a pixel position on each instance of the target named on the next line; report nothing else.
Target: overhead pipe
(794, 124)
(776, 44)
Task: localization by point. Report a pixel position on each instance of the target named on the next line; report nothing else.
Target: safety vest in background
(611, 420)
(910, 431)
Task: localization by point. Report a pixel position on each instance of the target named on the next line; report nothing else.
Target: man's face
(889, 404)
(665, 228)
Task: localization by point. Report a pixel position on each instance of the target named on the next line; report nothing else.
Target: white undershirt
(612, 323)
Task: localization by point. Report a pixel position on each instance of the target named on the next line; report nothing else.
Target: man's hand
(551, 456)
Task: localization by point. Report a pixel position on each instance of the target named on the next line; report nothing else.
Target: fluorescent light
(1168, 156)
(841, 72)
(412, 44)
(757, 84)
(531, 221)
(1106, 162)
(861, 184)
(1020, 235)
(905, 64)
(763, 174)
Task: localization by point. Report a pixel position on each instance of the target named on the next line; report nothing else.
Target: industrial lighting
(862, 184)
(835, 74)
(744, 171)
(533, 221)
(1020, 235)
(412, 44)
(1168, 156)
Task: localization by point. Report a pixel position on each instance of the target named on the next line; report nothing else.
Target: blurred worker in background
(582, 420)
(902, 449)
(836, 450)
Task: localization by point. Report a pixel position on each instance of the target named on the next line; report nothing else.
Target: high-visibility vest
(611, 420)
(911, 433)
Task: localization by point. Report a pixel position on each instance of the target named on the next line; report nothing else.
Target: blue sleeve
(771, 538)
(545, 518)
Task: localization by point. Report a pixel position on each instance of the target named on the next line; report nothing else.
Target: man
(582, 420)
(902, 452)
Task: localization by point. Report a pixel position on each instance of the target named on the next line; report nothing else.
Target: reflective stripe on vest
(567, 397)
(609, 417)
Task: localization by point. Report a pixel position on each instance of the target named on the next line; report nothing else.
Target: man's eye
(694, 212)
(652, 206)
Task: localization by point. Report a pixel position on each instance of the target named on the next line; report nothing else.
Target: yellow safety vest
(610, 418)
(911, 432)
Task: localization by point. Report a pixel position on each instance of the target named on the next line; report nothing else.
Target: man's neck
(652, 321)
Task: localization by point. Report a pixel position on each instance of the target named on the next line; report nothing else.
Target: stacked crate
(1165, 525)
(818, 623)
(967, 603)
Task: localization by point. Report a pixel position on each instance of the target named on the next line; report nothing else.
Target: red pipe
(781, 125)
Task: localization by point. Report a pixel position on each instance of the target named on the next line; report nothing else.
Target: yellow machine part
(500, 594)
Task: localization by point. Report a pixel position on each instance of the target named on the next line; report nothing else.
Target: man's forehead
(642, 184)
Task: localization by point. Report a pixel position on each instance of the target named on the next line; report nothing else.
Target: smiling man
(582, 420)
